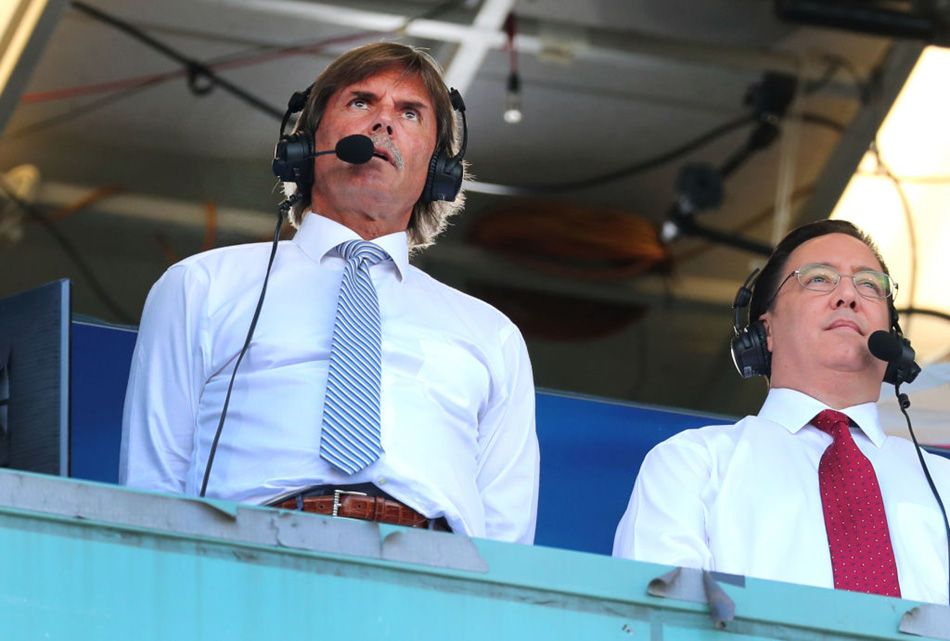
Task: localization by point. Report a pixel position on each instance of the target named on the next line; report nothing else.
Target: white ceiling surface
(583, 116)
(605, 83)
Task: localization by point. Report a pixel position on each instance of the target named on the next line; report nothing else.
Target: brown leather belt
(360, 505)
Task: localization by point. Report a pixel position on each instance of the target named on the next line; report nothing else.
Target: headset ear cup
(293, 159)
(762, 355)
(430, 177)
(444, 180)
(740, 353)
(750, 351)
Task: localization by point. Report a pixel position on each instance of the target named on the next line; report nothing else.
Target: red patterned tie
(862, 558)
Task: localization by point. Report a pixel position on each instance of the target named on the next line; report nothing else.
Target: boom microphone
(884, 346)
(356, 149)
(897, 353)
(293, 154)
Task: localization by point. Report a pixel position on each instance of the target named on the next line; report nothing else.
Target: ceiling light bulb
(512, 113)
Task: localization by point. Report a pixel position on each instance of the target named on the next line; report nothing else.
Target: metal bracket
(699, 586)
(928, 620)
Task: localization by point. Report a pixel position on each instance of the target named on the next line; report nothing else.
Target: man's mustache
(383, 141)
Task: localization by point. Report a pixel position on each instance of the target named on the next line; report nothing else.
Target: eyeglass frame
(891, 294)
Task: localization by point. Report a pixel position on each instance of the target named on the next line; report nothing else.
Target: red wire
(102, 87)
(511, 28)
(140, 81)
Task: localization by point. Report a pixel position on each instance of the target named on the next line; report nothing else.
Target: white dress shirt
(744, 499)
(457, 400)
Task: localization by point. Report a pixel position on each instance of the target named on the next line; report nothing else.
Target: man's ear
(766, 321)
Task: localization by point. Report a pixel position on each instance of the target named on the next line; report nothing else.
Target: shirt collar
(793, 410)
(318, 235)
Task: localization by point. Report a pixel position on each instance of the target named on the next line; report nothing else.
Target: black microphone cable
(247, 344)
(904, 402)
(896, 351)
(355, 149)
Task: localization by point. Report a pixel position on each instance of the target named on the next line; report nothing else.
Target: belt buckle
(336, 499)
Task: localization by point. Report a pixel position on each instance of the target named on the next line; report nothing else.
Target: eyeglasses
(822, 278)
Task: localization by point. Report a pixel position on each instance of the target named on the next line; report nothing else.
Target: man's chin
(854, 361)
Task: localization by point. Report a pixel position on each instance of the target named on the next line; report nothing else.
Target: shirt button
(381, 480)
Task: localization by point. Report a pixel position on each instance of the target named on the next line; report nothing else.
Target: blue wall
(590, 448)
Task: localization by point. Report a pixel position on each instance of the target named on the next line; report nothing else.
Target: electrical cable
(201, 78)
(641, 166)
(923, 311)
(73, 113)
(822, 121)
(108, 87)
(661, 159)
(247, 344)
(743, 226)
(623, 172)
(903, 402)
(70, 250)
(244, 58)
(195, 69)
(211, 226)
(909, 220)
(129, 86)
(100, 193)
(836, 62)
(923, 180)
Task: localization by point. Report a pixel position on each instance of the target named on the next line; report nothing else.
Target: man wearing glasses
(810, 490)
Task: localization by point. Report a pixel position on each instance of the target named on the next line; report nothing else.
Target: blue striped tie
(350, 439)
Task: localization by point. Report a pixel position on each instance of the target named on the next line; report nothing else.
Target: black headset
(752, 357)
(294, 153)
(750, 351)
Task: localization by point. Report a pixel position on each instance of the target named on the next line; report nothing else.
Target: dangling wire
(512, 113)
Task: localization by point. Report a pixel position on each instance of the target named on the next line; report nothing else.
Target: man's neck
(837, 390)
(366, 227)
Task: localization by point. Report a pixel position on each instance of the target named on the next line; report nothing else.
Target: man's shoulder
(232, 256)
(710, 439)
(455, 301)
(217, 272)
(707, 433)
(222, 265)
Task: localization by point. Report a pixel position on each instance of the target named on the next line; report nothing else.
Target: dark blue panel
(101, 358)
(591, 451)
(34, 371)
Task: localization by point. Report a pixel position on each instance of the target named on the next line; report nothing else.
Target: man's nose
(380, 126)
(846, 293)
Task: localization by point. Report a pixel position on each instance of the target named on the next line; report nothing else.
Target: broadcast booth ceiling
(634, 159)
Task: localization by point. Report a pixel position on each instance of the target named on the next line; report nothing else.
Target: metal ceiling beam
(468, 58)
(854, 143)
(561, 40)
(25, 26)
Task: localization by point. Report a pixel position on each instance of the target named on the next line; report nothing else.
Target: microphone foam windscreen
(355, 149)
(885, 346)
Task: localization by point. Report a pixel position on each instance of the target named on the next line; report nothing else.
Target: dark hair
(427, 219)
(771, 276)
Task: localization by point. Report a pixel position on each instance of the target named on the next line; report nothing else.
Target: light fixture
(512, 113)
